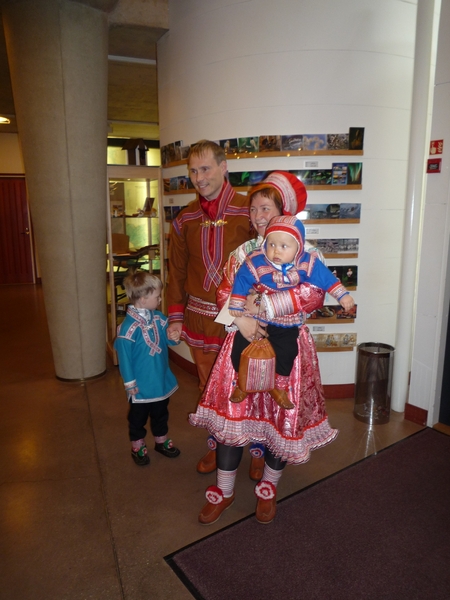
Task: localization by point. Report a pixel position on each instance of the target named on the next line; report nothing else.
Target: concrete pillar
(58, 57)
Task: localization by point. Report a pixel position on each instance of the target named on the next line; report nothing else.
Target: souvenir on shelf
(337, 141)
(339, 173)
(269, 143)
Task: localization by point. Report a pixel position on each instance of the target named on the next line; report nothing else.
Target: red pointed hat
(293, 192)
(290, 225)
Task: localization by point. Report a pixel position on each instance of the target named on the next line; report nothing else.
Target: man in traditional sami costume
(202, 237)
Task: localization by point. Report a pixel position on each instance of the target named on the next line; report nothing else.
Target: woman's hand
(250, 329)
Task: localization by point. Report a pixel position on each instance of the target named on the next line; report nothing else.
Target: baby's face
(281, 248)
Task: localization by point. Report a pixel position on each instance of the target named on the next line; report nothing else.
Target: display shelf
(333, 314)
(321, 188)
(330, 221)
(335, 342)
(329, 321)
(135, 234)
(338, 255)
(246, 188)
(341, 176)
(282, 153)
(349, 143)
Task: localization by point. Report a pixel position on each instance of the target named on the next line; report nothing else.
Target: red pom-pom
(265, 490)
(214, 495)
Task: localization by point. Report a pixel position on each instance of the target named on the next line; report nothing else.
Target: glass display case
(135, 235)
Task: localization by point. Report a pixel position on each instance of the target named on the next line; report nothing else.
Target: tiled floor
(78, 519)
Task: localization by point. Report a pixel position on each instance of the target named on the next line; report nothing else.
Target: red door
(16, 264)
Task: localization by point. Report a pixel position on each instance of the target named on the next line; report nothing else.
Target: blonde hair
(139, 283)
(201, 147)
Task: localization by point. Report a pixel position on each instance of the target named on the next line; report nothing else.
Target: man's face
(206, 175)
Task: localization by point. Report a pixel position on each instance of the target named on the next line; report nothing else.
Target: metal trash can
(373, 382)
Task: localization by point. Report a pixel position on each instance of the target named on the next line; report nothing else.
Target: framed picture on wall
(356, 138)
(291, 142)
(354, 173)
(230, 146)
(315, 142)
(339, 173)
(337, 141)
(334, 248)
(269, 143)
(248, 145)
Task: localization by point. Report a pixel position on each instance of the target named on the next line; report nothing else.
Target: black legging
(284, 343)
(229, 457)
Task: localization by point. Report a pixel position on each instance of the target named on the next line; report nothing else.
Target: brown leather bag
(257, 367)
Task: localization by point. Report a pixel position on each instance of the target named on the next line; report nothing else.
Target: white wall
(433, 298)
(234, 69)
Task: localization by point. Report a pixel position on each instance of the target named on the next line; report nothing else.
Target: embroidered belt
(197, 305)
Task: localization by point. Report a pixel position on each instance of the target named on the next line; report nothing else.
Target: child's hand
(173, 335)
(252, 304)
(133, 391)
(347, 302)
(235, 313)
(174, 329)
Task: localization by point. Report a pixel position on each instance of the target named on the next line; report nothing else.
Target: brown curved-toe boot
(211, 512)
(207, 463)
(238, 395)
(266, 506)
(256, 468)
(266, 510)
(281, 398)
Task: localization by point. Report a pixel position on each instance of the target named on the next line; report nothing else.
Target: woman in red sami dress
(288, 436)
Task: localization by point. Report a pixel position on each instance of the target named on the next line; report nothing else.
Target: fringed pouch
(257, 367)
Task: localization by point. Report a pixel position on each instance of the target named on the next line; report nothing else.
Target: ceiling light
(4, 120)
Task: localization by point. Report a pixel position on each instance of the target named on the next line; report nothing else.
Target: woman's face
(262, 209)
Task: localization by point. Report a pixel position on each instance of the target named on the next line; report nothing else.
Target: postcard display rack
(135, 234)
(343, 174)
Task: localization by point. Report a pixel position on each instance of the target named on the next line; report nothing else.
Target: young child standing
(142, 347)
(280, 264)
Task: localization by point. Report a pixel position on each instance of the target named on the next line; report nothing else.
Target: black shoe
(167, 449)
(140, 456)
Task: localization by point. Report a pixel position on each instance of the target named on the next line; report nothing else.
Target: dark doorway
(16, 262)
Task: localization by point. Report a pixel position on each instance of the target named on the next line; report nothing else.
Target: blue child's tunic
(142, 348)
